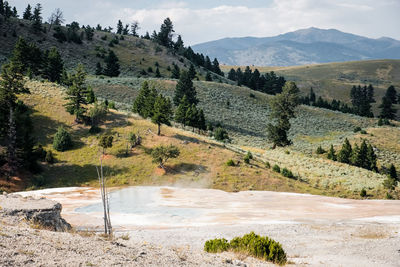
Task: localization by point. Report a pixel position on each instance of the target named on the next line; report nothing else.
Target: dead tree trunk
(104, 198)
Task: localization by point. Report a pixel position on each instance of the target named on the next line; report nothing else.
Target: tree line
(268, 83)
(361, 100)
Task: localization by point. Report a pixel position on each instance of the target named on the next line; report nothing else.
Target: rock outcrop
(44, 212)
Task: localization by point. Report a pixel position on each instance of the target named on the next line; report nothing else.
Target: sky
(200, 21)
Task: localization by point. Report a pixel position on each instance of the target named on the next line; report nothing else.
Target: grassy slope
(201, 163)
(246, 118)
(135, 54)
(334, 80)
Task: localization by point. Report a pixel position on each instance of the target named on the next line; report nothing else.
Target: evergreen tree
(183, 88)
(180, 113)
(192, 72)
(164, 37)
(37, 18)
(28, 56)
(76, 94)
(14, 12)
(201, 124)
(332, 154)
(215, 67)
(62, 140)
(158, 74)
(232, 75)
(28, 13)
(134, 28)
(359, 158)
(149, 103)
(387, 110)
(192, 116)
(112, 65)
(393, 172)
(120, 27)
(312, 95)
(179, 46)
(391, 94)
(162, 112)
(283, 108)
(345, 153)
(54, 66)
(125, 31)
(176, 73)
(139, 105)
(99, 69)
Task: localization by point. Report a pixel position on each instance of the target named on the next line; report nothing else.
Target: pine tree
(283, 108)
(359, 158)
(393, 172)
(99, 69)
(215, 67)
(112, 65)
(332, 154)
(185, 87)
(28, 13)
(192, 72)
(345, 153)
(312, 95)
(176, 73)
(37, 18)
(76, 94)
(232, 75)
(180, 113)
(120, 27)
(139, 105)
(14, 12)
(178, 46)
(149, 103)
(158, 74)
(387, 110)
(162, 112)
(391, 94)
(192, 116)
(134, 28)
(54, 66)
(164, 37)
(201, 121)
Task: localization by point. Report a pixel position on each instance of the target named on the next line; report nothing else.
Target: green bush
(221, 134)
(216, 245)
(276, 168)
(320, 150)
(357, 129)
(287, 173)
(258, 246)
(62, 140)
(230, 163)
(363, 132)
(363, 193)
(248, 157)
(267, 165)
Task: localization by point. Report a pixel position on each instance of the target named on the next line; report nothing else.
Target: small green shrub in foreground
(62, 140)
(287, 173)
(260, 247)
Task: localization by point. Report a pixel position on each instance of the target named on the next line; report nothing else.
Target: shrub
(276, 168)
(363, 132)
(49, 157)
(62, 140)
(252, 95)
(111, 105)
(258, 246)
(216, 245)
(230, 163)
(221, 134)
(287, 173)
(267, 165)
(248, 157)
(363, 193)
(357, 129)
(320, 150)
(94, 129)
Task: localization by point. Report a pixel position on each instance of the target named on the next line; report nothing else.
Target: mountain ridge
(304, 46)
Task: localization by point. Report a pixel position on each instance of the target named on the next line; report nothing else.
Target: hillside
(305, 46)
(136, 55)
(246, 118)
(334, 80)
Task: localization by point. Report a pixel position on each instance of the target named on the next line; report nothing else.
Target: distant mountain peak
(303, 46)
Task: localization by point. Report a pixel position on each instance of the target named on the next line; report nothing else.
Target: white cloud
(221, 19)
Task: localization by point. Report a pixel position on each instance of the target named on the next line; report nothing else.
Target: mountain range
(305, 46)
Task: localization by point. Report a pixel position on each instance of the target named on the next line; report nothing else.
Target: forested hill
(142, 56)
